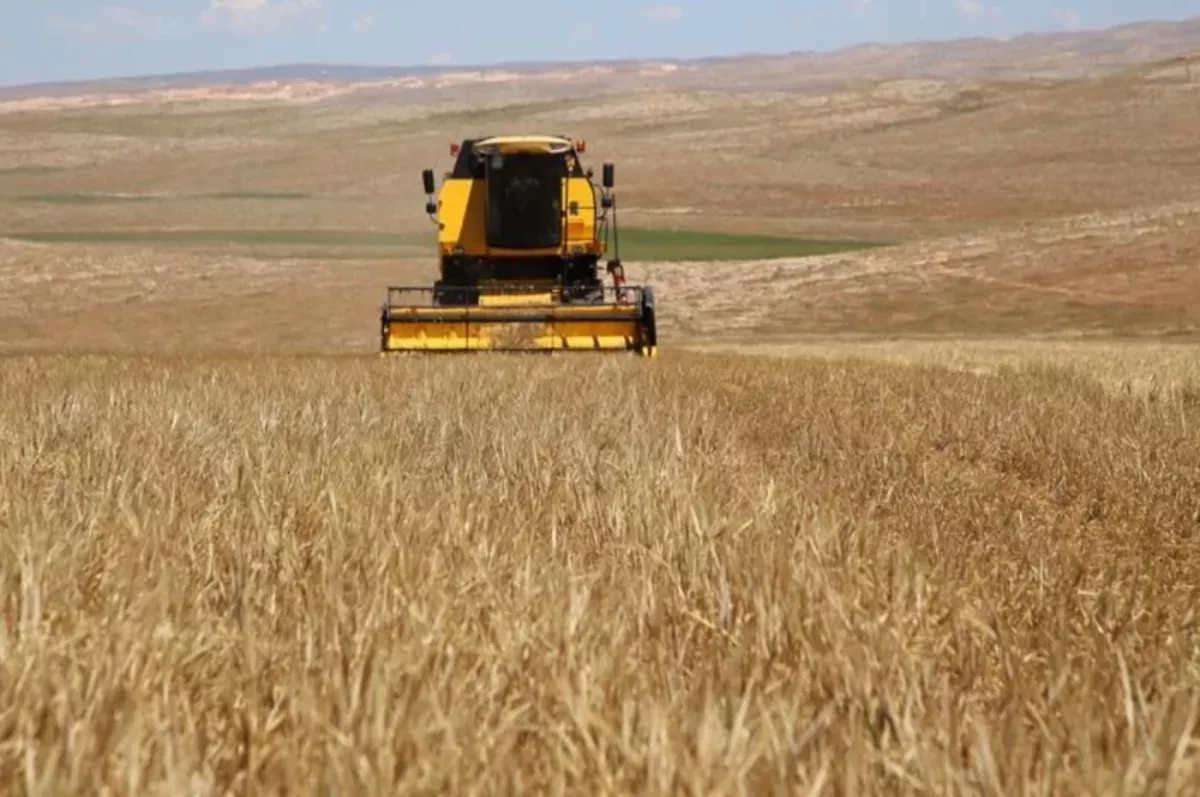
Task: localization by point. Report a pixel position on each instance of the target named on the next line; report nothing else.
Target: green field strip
(636, 244)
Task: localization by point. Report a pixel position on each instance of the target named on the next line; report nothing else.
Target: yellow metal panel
(462, 213)
(483, 315)
(558, 335)
(581, 229)
(515, 299)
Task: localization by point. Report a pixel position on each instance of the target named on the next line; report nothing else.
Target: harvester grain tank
(521, 233)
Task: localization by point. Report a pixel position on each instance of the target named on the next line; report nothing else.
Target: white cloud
(264, 16)
(1068, 18)
(977, 8)
(364, 24)
(663, 13)
(440, 59)
(113, 22)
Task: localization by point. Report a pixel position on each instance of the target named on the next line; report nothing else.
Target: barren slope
(1119, 273)
(1058, 207)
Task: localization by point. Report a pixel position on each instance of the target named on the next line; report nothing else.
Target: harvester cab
(521, 233)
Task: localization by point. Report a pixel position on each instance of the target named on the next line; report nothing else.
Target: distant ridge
(337, 73)
(1033, 54)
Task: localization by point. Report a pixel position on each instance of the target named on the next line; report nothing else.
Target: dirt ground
(1062, 207)
(914, 519)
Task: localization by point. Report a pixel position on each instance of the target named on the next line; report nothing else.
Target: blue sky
(78, 39)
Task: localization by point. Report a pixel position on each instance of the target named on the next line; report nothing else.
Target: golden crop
(707, 574)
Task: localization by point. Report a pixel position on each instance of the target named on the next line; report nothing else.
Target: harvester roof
(508, 145)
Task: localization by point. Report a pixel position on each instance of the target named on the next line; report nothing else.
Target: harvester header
(521, 231)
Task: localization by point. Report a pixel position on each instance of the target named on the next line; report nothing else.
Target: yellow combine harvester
(521, 233)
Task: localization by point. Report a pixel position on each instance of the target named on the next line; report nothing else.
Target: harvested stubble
(705, 574)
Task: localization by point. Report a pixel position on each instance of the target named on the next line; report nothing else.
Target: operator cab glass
(524, 200)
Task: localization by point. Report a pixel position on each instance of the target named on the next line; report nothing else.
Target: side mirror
(427, 175)
(610, 178)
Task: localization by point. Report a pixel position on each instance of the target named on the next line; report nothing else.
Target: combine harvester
(521, 233)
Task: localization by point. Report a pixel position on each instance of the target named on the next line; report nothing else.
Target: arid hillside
(1003, 207)
(903, 507)
(1043, 55)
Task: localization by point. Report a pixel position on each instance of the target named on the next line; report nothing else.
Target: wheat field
(709, 574)
(913, 517)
